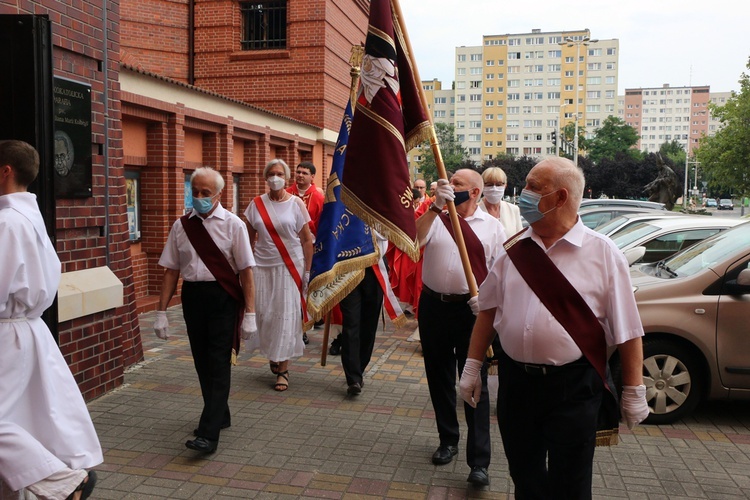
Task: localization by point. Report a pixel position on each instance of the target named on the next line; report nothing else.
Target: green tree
(614, 136)
(567, 136)
(725, 157)
(454, 155)
(673, 150)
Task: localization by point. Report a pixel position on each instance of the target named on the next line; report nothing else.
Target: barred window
(263, 25)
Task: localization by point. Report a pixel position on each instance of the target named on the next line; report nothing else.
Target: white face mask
(494, 194)
(275, 182)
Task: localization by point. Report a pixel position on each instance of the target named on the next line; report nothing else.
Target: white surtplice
(44, 423)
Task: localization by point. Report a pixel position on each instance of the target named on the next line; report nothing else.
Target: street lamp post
(569, 41)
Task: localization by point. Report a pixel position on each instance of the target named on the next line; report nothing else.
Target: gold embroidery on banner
(407, 199)
(333, 181)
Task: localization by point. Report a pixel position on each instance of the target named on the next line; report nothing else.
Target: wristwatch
(435, 208)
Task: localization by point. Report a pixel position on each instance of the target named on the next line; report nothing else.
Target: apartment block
(514, 90)
(440, 105)
(665, 114)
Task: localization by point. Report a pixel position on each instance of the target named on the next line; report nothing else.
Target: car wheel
(674, 385)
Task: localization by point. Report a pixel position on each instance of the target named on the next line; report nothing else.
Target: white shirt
(228, 232)
(598, 271)
(291, 216)
(442, 270)
(510, 217)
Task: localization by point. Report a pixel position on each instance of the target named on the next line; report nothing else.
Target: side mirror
(633, 255)
(740, 286)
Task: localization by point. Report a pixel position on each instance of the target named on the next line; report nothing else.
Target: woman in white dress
(492, 202)
(282, 245)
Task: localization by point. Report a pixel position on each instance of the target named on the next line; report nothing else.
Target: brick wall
(309, 80)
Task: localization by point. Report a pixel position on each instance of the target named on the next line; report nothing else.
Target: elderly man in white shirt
(446, 317)
(210, 310)
(550, 394)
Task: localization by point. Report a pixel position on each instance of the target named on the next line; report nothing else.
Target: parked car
(659, 239)
(710, 203)
(624, 221)
(617, 202)
(725, 204)
(695, 308)
(595, 216)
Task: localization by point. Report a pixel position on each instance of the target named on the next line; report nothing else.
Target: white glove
(443, 193)
(248, 327)
(474, 304)
(161, 325)
(633, 405)
(470, 385)
(305, 282)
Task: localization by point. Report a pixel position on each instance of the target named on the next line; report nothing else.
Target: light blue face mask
(203, 205)
(528, 204)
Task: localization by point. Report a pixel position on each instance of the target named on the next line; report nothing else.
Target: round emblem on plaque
(63, 153)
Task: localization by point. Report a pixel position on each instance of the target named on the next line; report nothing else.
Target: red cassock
(404, 274)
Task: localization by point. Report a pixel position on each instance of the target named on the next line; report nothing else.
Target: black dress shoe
(202, 444)
(223, 426)
(444, 454)
(305, 340)
(335, 348)
(478, 476)
(354, 389)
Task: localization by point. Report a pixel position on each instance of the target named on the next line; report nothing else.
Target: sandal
(274, 367)
(86, 487)
(283, 385)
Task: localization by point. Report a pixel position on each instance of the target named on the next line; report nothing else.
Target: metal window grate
(263, 25)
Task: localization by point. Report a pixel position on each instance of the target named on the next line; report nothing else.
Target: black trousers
(548, 425)
(360, 311)
(445, 330)
(210, 314)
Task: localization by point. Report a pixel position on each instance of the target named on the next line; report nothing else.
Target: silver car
(695, 309)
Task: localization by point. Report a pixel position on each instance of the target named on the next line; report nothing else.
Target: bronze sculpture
(665, 188)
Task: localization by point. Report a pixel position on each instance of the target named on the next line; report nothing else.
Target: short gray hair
(208, 171)
(567, 176)
(287, 172)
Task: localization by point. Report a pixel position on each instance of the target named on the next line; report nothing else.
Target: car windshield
(635, 232)
(608, 227)
(710, 251)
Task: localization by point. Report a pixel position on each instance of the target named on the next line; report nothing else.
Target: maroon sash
(561, 298)
(474, 247)
(219, 266)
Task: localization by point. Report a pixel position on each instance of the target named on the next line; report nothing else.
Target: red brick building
(229, 84)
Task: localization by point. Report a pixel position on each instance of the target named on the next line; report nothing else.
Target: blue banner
(344, 246)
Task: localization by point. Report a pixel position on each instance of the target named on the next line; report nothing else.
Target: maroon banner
(389, 121)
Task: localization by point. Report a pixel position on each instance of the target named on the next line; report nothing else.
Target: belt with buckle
(447, 297)
(541, 370)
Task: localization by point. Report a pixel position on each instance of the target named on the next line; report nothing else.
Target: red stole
(474, 247)
(281, 247)
(219, 266)
(561, 298)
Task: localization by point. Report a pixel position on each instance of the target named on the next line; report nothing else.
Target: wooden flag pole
(438, 158)
(326, 333)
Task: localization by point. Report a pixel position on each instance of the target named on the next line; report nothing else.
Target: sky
(678, 42)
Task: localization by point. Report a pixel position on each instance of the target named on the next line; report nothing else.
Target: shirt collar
(220, 213)
(574, 236)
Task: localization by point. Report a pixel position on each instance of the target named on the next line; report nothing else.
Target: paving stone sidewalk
(314, 441)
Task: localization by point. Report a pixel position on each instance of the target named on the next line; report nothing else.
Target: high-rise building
(514, 90)
(440, 105)
(666, 114)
